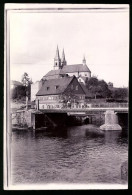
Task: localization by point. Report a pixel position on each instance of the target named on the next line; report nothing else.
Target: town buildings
(61, 81)
(61, 69)
(60, 92)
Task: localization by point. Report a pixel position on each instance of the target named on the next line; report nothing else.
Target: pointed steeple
(63, 60)
(63, 56)
(57, 60)
(57, 56)
(84, 61)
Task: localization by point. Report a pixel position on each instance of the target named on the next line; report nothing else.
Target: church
(61, 69)
(56, 82)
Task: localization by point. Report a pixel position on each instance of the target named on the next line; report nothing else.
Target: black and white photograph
(66, 96)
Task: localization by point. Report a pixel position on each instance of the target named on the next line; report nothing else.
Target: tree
(98, 87)
(25, 79)
(92, 86)
(18, 92)
(120, 93)
(69, 97)
(103, 89)
(27, 83)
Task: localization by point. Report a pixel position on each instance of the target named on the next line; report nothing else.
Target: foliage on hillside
(21, 91)
(100, 89)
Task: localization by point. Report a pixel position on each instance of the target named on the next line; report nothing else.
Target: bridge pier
(111, 121)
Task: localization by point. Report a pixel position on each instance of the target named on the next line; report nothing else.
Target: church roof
(54, 72)
(68, 69)
(75, 68)
(55, 86)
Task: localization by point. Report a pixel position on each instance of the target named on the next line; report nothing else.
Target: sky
(102, 36)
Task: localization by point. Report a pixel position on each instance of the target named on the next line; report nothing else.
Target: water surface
(72, 155)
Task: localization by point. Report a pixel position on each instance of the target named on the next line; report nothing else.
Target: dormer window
(47, 88)
(56, 87)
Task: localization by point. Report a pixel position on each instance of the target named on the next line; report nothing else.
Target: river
(72, 155)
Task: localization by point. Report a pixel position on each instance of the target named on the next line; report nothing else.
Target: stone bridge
(85, 110)
(36, 118)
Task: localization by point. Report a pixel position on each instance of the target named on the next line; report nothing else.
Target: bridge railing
(88, 105)
(110, 105)
(101, 105)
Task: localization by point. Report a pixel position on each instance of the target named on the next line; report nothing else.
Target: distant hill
(16, 83)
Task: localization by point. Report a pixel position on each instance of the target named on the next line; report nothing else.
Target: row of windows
(56, 98)
(56, 87)
(49, 106)
(48, 98)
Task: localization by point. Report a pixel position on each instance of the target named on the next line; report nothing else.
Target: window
(47, 88)
(85, 75)
(77, 87)
(56, 87)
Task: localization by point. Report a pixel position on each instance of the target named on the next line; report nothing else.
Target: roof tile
(49, 87)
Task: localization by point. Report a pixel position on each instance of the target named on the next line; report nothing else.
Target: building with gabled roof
(54, 86)
(60, 68)
(54, 91)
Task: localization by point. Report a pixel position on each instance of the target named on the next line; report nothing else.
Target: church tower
(63, 60)
(84, 61)
(57, 60)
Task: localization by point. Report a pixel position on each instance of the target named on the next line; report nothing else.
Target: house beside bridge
(60, 92)
(61, 83)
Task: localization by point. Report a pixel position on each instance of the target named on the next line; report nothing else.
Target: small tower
(57, 60)
(84, 61)
(63, 60)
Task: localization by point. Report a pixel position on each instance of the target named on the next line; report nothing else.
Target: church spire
(57, 56)
(63, 55)
(63, 60)
(84, 61)
(57, 60)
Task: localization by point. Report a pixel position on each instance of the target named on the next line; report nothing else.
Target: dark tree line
(100, 89)
(21, 91)
(120, 94)
(18, 92)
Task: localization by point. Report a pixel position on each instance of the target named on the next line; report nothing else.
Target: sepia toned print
(66, 96)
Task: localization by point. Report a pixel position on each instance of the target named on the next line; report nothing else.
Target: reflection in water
(80, 154)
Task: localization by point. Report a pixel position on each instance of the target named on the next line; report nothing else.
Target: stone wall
(22, 118)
